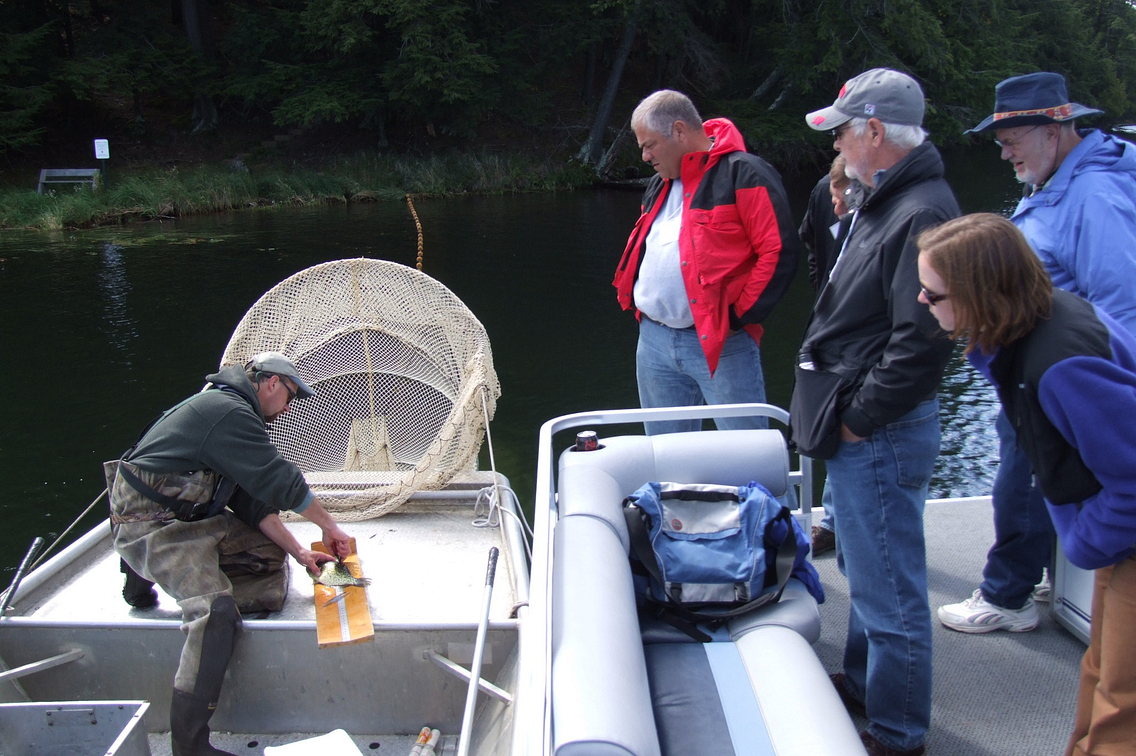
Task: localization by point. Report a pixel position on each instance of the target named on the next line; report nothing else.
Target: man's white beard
(851, 172)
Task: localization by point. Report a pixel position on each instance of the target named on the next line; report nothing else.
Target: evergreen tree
(25, 92)
(473, 68)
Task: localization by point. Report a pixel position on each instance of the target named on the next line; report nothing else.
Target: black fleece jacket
(223, 430)
(868, 324)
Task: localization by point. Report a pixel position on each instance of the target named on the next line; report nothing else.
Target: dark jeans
(1023, 532)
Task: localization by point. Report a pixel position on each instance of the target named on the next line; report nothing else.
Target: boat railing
(65, 559)
(532, 734)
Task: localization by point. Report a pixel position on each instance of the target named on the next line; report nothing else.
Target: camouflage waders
(216, 568)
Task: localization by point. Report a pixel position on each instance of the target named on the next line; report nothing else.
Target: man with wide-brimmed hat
(1079, 208)
(1079, 215)
(866, 401)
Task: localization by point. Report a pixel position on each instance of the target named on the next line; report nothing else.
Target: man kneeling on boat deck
(212, 537)
(1065, 372)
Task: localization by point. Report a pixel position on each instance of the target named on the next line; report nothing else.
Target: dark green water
(102, 330)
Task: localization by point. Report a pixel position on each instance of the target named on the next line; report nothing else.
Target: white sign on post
(102, 149)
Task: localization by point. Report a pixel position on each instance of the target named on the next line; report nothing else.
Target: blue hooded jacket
(1082, 224)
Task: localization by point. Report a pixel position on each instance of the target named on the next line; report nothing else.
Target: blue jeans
(826, 521)
(879, 488)
(1023, 532)
(671, 370)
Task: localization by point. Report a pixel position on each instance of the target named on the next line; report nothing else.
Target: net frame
(402, 371)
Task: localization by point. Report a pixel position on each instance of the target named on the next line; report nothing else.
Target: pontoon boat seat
(619, 689)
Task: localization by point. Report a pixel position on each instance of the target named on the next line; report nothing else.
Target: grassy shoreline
(148, 194)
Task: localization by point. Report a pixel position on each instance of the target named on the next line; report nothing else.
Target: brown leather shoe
(876, 748)
(823, 540)
(851, 704)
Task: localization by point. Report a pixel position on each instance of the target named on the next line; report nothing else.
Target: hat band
(1058, 113)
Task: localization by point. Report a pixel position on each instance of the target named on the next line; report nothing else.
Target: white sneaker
(1043, 590)
(977, 615)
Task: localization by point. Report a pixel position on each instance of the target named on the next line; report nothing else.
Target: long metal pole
(478, 650)
(11, 592)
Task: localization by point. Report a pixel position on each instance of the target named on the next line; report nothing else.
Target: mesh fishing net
(403, 375)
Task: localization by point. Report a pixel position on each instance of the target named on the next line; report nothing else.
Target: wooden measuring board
(347, 620)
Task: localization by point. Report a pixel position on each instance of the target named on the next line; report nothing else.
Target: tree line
(469, 70)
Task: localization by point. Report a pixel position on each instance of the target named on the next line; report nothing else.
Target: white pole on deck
(478, 650)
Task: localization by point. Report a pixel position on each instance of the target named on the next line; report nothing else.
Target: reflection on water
(114, 285)
(102, 330)
(968, 455)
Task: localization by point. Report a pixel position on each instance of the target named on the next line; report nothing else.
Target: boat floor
(994, 694)
(426, 561)
(254, 745)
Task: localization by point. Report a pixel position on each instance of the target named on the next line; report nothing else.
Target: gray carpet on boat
(995, 694)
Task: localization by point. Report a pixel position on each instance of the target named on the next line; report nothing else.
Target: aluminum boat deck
(428, 564)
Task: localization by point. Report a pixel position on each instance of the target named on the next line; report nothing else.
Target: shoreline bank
(162, 194)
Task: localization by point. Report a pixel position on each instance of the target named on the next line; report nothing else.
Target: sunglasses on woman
(931, 297)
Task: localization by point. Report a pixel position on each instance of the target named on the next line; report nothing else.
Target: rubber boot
(137, 590)
(190, 712)
(189, 725)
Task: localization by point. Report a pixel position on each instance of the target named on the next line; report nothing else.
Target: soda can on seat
(587, 441)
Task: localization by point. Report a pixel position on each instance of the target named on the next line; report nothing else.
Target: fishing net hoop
(403, 375)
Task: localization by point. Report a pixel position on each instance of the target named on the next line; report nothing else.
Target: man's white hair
(904, 136)
(659, 111)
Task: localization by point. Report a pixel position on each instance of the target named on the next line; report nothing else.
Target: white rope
(489, 445)
(487, 508)
(68, 530)
(487, 514)
(59, 538)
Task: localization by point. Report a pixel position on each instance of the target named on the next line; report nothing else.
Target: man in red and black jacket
(713, 251)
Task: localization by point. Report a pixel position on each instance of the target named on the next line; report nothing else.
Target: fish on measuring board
(337, 575)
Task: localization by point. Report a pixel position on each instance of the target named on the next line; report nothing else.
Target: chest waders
(186, 496)
(173, 527)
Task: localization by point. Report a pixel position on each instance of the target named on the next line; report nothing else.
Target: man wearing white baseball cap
(865, 400)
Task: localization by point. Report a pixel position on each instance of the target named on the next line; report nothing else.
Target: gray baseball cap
(882, 93)
(277, 364)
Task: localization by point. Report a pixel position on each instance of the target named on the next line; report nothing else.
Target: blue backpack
(705, 553)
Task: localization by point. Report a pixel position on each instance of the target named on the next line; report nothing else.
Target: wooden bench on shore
(68, 176)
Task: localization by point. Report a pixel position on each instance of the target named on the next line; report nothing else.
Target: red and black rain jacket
(738, 245)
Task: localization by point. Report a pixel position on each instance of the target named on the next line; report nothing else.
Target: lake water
(104, 329)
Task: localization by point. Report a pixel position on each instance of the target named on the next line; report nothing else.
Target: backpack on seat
(703, 553)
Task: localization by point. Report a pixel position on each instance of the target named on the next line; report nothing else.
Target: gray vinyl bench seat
(622, 688)
(49, 176)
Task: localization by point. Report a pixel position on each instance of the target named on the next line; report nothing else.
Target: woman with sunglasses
(1066, 375)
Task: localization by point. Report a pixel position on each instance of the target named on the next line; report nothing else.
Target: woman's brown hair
(836, 172)
(997, 286)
